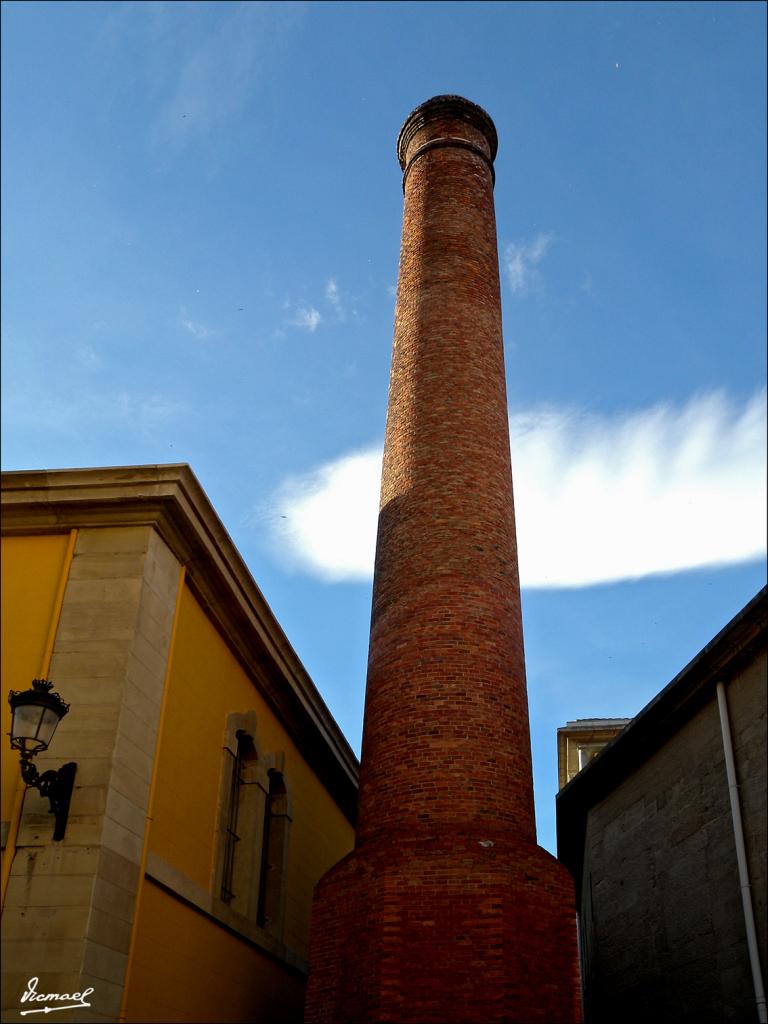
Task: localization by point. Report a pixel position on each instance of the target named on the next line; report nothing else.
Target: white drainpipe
(741, 858)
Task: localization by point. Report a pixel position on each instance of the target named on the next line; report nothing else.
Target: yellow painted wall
(32, 568)
(207, 973)
(206, 684)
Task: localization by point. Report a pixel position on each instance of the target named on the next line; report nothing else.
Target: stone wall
(662, 925)
(69, 906)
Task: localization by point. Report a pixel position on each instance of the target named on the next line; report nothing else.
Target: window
(243, 761)
(587, 751)
(274, 847)
(254, 820)
(240, 817)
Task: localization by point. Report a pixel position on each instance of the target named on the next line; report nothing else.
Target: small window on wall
(242, 809)
(274, 850)
(240, 816)
(253, 824)
(587, 751)
(239, 828)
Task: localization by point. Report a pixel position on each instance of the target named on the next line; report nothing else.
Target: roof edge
(170, 498)
(737, 643)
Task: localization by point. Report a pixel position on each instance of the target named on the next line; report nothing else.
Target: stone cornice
(170, 499)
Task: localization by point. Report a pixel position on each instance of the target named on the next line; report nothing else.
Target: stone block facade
(647, 828)
(81, 896)
(123, 585)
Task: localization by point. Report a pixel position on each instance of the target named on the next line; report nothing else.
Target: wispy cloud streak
(657, 491)
(88, 412)
(306, 319)
(197, 330)
(215, 80)
(598, 499)
(333, 297)
(522, 259)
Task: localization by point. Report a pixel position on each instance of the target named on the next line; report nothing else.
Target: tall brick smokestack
(446, 910)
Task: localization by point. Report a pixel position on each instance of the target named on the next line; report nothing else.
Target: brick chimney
(447, 910)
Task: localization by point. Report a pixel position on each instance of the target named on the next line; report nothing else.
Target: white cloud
(334, 299)
(327, 518)
(521, 261)
(598, 498)
(307, 319)
(657, 491)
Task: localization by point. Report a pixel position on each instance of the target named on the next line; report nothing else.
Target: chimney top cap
(442, 106)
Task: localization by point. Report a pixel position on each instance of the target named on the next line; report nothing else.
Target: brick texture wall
(447, 910)
(446, 700)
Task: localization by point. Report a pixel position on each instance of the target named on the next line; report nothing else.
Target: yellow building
(213, 787)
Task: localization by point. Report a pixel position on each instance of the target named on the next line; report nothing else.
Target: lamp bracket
(56, 787)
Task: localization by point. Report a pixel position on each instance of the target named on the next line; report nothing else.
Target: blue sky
(201, 221)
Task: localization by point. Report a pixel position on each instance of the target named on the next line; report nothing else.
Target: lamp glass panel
(48, 726)
(26, 721)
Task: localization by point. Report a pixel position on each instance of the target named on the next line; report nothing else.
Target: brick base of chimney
(449, 928)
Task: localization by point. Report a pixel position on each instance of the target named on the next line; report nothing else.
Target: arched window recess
(254, 819)
(273, 871)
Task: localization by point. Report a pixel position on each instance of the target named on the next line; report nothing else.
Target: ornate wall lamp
(36, 713)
